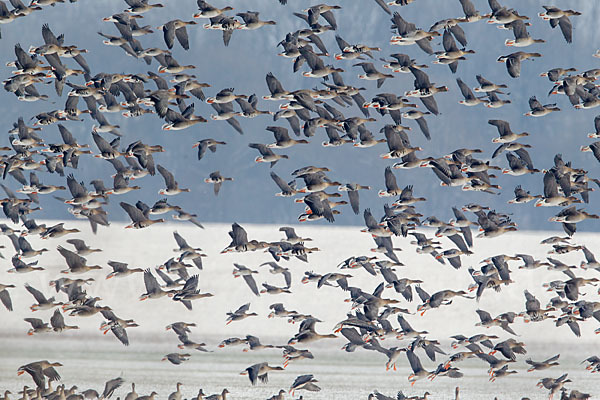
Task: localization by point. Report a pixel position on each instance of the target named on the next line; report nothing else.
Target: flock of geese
(347, 118)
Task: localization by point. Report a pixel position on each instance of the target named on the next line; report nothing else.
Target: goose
(259, 372)
(138, 216)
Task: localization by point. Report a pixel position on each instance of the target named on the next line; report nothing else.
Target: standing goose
(222, 396)
(281, 394)
(177, 394)
(152, 396)
(132, 395)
